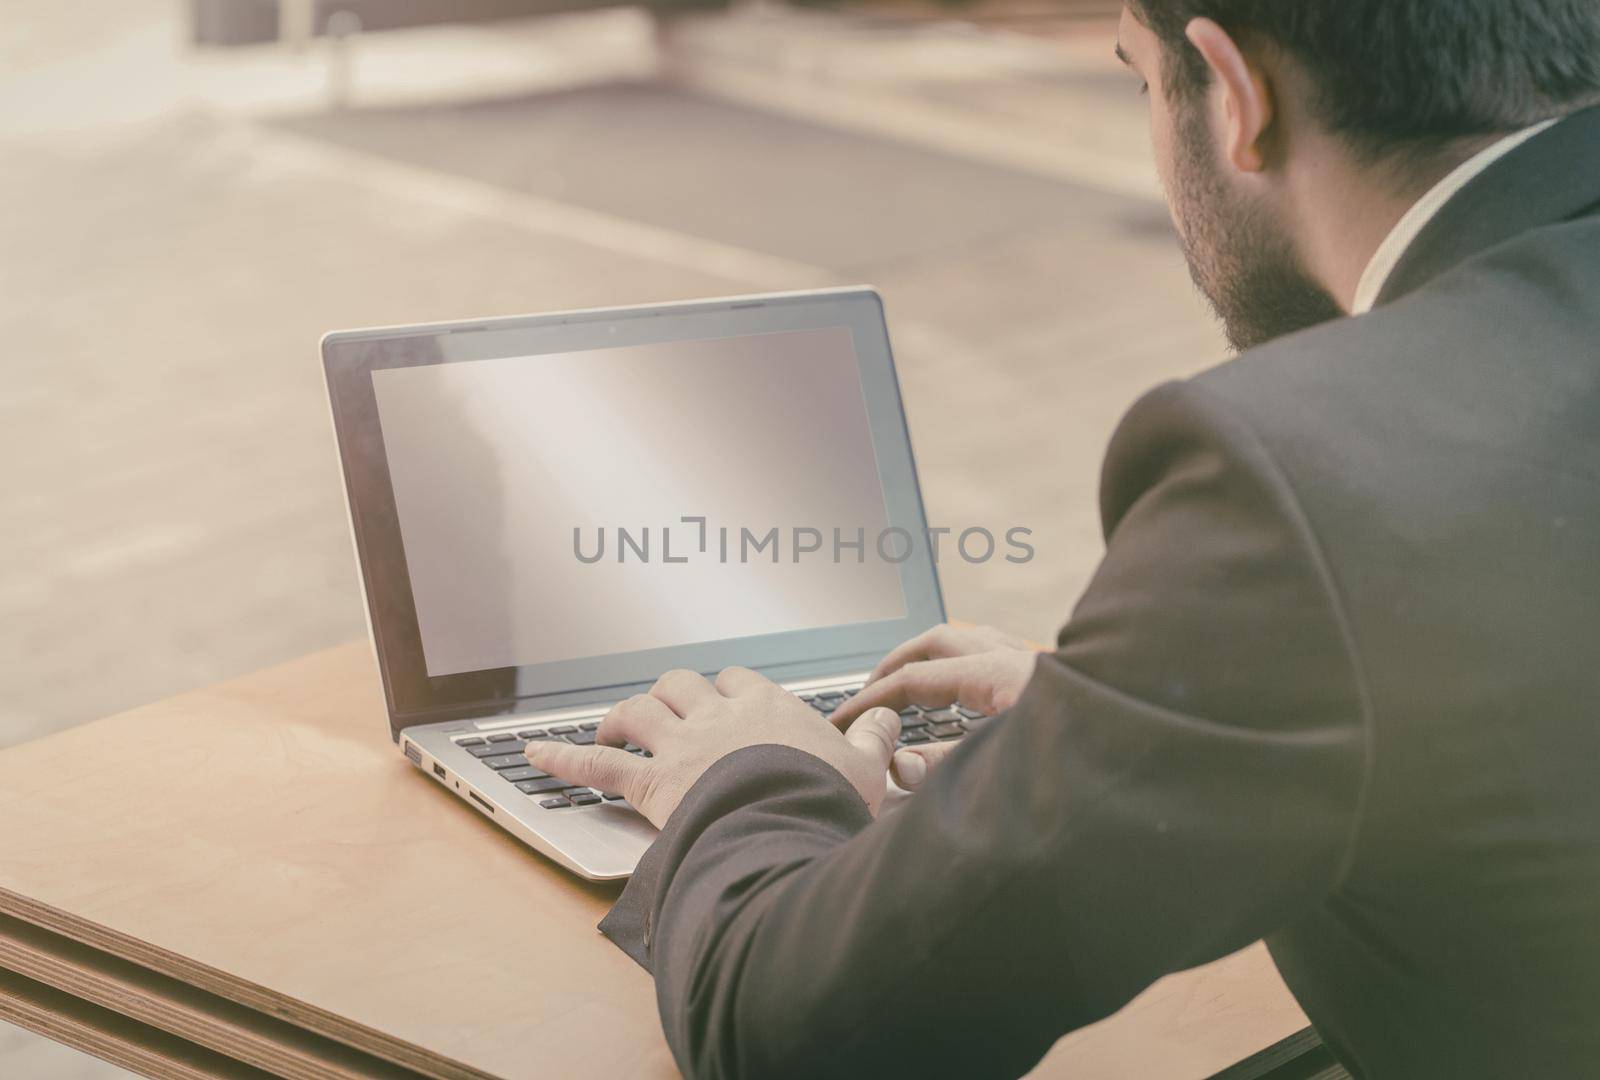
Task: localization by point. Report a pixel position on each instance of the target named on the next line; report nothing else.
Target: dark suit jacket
(1336, 684)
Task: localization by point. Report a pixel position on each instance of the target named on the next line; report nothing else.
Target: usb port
(438, 770)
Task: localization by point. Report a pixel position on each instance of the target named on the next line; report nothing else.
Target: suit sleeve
(1181, 777)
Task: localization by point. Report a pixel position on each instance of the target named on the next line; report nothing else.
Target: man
(1337, 681)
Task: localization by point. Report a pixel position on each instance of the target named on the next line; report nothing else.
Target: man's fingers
(734, 681)
(934, 683)
(637, 720)
(683, 690)
(875, 733)
(603, 767)
(914, 764)
(945, 641)
(924, 646)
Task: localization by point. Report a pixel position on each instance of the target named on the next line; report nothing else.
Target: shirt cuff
(779, 779)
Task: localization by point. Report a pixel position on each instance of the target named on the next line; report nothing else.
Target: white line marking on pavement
(753, 271)
(1097, 166)
(536, 214)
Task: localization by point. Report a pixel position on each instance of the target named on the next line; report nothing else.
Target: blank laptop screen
(541, 499)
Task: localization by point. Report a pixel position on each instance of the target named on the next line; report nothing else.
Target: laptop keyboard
(503, 751)
(917, 725)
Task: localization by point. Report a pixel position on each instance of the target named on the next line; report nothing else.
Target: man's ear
(1246, 96)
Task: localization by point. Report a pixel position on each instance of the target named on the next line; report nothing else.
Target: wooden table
(248, 880)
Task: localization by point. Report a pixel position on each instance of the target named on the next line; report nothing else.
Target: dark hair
(1394, 72)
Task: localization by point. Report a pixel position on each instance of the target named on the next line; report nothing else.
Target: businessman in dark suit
(1337, 681)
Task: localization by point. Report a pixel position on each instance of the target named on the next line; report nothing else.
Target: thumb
(914, 764)
(875, 733)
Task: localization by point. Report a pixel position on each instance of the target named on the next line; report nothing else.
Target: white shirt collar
(1394, 246)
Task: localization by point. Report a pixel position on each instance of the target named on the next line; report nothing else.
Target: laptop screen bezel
(414, 697)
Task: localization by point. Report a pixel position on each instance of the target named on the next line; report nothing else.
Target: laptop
(551, 511)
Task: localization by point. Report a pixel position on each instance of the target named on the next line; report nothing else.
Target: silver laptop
(550, 511)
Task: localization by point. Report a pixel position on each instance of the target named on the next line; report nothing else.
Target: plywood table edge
(239, 991)
(162, 1002)
(109, 1036)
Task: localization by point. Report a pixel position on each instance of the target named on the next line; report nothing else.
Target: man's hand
(979, 667)
(688, 725)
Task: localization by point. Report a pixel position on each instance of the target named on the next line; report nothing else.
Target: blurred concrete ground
(176, 231)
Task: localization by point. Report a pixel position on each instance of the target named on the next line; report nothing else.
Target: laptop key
(608, 797)
(915, 720)
(504, 736)
(541, 787)
(914, 736)
(570, 791)
(469, 742)
(947, 731)
(942, 716)
(970, 714)
(527, 772)
(589, 725)
(585, 800)
(554, 802)
(509, 761)
(581, 738)
(564, 729)
(487, 750)
(532, 734)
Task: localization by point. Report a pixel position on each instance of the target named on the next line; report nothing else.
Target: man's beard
(1241, 259)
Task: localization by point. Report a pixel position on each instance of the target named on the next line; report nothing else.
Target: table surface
(261, 843)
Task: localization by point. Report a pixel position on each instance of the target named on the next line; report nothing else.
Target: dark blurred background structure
(180, 222)
(246, 22)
